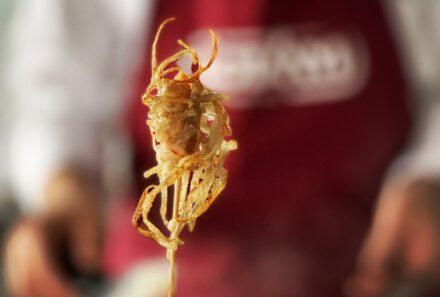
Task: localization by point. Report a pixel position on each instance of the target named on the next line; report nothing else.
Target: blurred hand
(29, 268)
(68, 225)
(401, 256)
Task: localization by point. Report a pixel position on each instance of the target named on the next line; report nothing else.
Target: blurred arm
(69, 62)
(401, 253)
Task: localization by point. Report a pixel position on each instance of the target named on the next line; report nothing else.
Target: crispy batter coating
(188, 124)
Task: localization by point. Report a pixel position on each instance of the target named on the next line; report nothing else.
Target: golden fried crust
(188, 124)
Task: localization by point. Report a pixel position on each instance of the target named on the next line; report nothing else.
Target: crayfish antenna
(156, 39)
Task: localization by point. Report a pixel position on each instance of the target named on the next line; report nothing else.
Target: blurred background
(6, 11)
(8, 207)
(334, 190)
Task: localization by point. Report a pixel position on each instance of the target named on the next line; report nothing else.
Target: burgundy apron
(319, 114)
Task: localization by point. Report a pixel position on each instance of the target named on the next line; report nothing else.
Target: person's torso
(317, 105)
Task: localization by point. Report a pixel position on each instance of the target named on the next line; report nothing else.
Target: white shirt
(69, 72)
